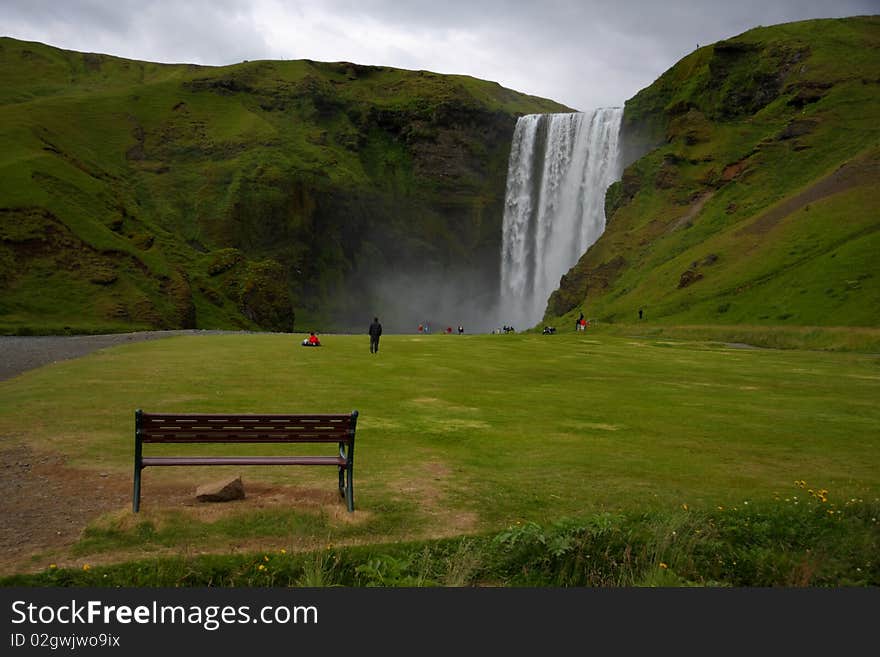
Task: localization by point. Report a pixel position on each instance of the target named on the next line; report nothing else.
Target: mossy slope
(756, 202)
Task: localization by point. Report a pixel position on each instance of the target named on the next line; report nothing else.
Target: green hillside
(758, 201)
(136, 195)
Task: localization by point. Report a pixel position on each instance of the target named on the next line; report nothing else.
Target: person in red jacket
(311, 341)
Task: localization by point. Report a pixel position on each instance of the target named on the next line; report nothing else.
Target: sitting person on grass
(311, 341)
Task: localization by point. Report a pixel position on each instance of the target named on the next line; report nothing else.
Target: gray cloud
(200, 31)
(581, 53)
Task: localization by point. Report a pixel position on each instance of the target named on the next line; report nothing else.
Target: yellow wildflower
(86, 566)
(663, 565)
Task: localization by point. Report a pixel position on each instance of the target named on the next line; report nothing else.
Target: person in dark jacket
(375, 332)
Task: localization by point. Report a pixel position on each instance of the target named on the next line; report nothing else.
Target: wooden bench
(201, 428)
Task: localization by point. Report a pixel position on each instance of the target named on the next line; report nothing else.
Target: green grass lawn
(468, 434)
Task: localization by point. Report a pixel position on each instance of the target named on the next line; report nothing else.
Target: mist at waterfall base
(439, 297)
(559, 170)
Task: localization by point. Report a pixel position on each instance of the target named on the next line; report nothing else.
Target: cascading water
(560, 168)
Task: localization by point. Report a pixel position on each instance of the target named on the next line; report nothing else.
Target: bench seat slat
(176, 435)
(243, 460)
(189, 418)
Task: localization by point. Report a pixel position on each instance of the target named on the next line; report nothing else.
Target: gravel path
(19, 353)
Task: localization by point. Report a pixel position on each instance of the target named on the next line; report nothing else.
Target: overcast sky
(582, 53)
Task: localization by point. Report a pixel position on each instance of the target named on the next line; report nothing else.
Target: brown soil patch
(694, 209)
(731, 171)
(46, 504)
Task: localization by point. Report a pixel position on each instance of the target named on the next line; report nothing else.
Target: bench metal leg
(138, 465)
(345, 486)
(136, 496)
(349, 489)
(349, 498)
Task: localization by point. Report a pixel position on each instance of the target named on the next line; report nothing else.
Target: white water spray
(560, 168)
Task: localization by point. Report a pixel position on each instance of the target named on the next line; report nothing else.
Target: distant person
(311, 341)
(640, 313)
(580, 320)
(583, 324)
(448, 330)
(460, 329)
(375, 332)
(421, 328)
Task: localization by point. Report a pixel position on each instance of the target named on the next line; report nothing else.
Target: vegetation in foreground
(803, 540)
(491, 447)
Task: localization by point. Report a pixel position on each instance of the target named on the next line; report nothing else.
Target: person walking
(375, 332)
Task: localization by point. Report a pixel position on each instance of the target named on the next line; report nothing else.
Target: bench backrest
(245, 428)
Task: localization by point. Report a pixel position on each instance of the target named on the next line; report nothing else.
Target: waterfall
(559, 169)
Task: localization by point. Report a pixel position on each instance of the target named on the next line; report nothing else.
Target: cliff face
(751, 190)
(261, 195)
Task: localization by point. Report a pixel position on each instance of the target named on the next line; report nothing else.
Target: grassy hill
(757, 201)
(137, 195)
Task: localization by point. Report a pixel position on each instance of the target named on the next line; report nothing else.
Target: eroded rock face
(223, 490)
(688, 277)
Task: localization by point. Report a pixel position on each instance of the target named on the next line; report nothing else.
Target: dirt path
(44, 503)
(44, 507)
(863, 170)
